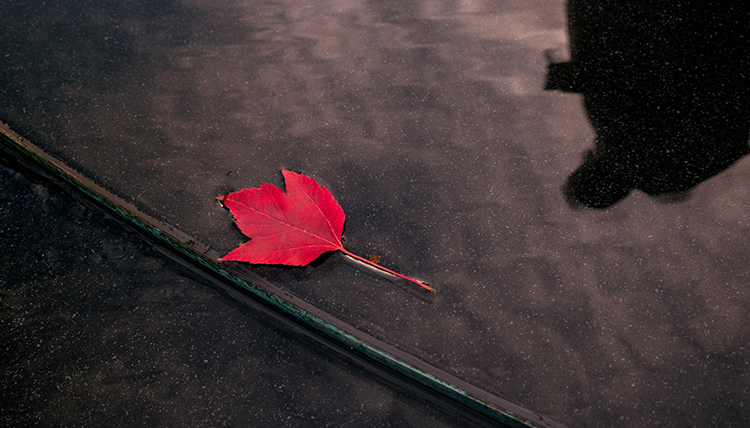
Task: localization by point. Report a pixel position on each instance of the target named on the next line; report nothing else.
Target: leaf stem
(421, 284)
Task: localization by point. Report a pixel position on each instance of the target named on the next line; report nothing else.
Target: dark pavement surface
(428, 122)
(101, 329)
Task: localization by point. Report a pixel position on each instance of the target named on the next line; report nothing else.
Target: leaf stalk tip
(362, 259)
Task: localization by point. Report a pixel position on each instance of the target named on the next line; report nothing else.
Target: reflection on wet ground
(428, 122)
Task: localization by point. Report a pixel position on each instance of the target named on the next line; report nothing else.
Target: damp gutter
(185, 247)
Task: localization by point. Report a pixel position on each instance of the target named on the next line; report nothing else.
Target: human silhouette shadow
(665, 87)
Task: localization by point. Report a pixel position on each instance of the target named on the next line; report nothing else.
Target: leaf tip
(227, 258)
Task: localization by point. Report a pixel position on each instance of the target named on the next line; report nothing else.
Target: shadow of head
(665, 87)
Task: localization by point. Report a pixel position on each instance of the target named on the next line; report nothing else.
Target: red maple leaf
(291, 228)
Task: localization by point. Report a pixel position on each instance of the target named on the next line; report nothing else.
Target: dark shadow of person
(665, 87)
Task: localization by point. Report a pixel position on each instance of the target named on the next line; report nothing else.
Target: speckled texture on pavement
(428, 122)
